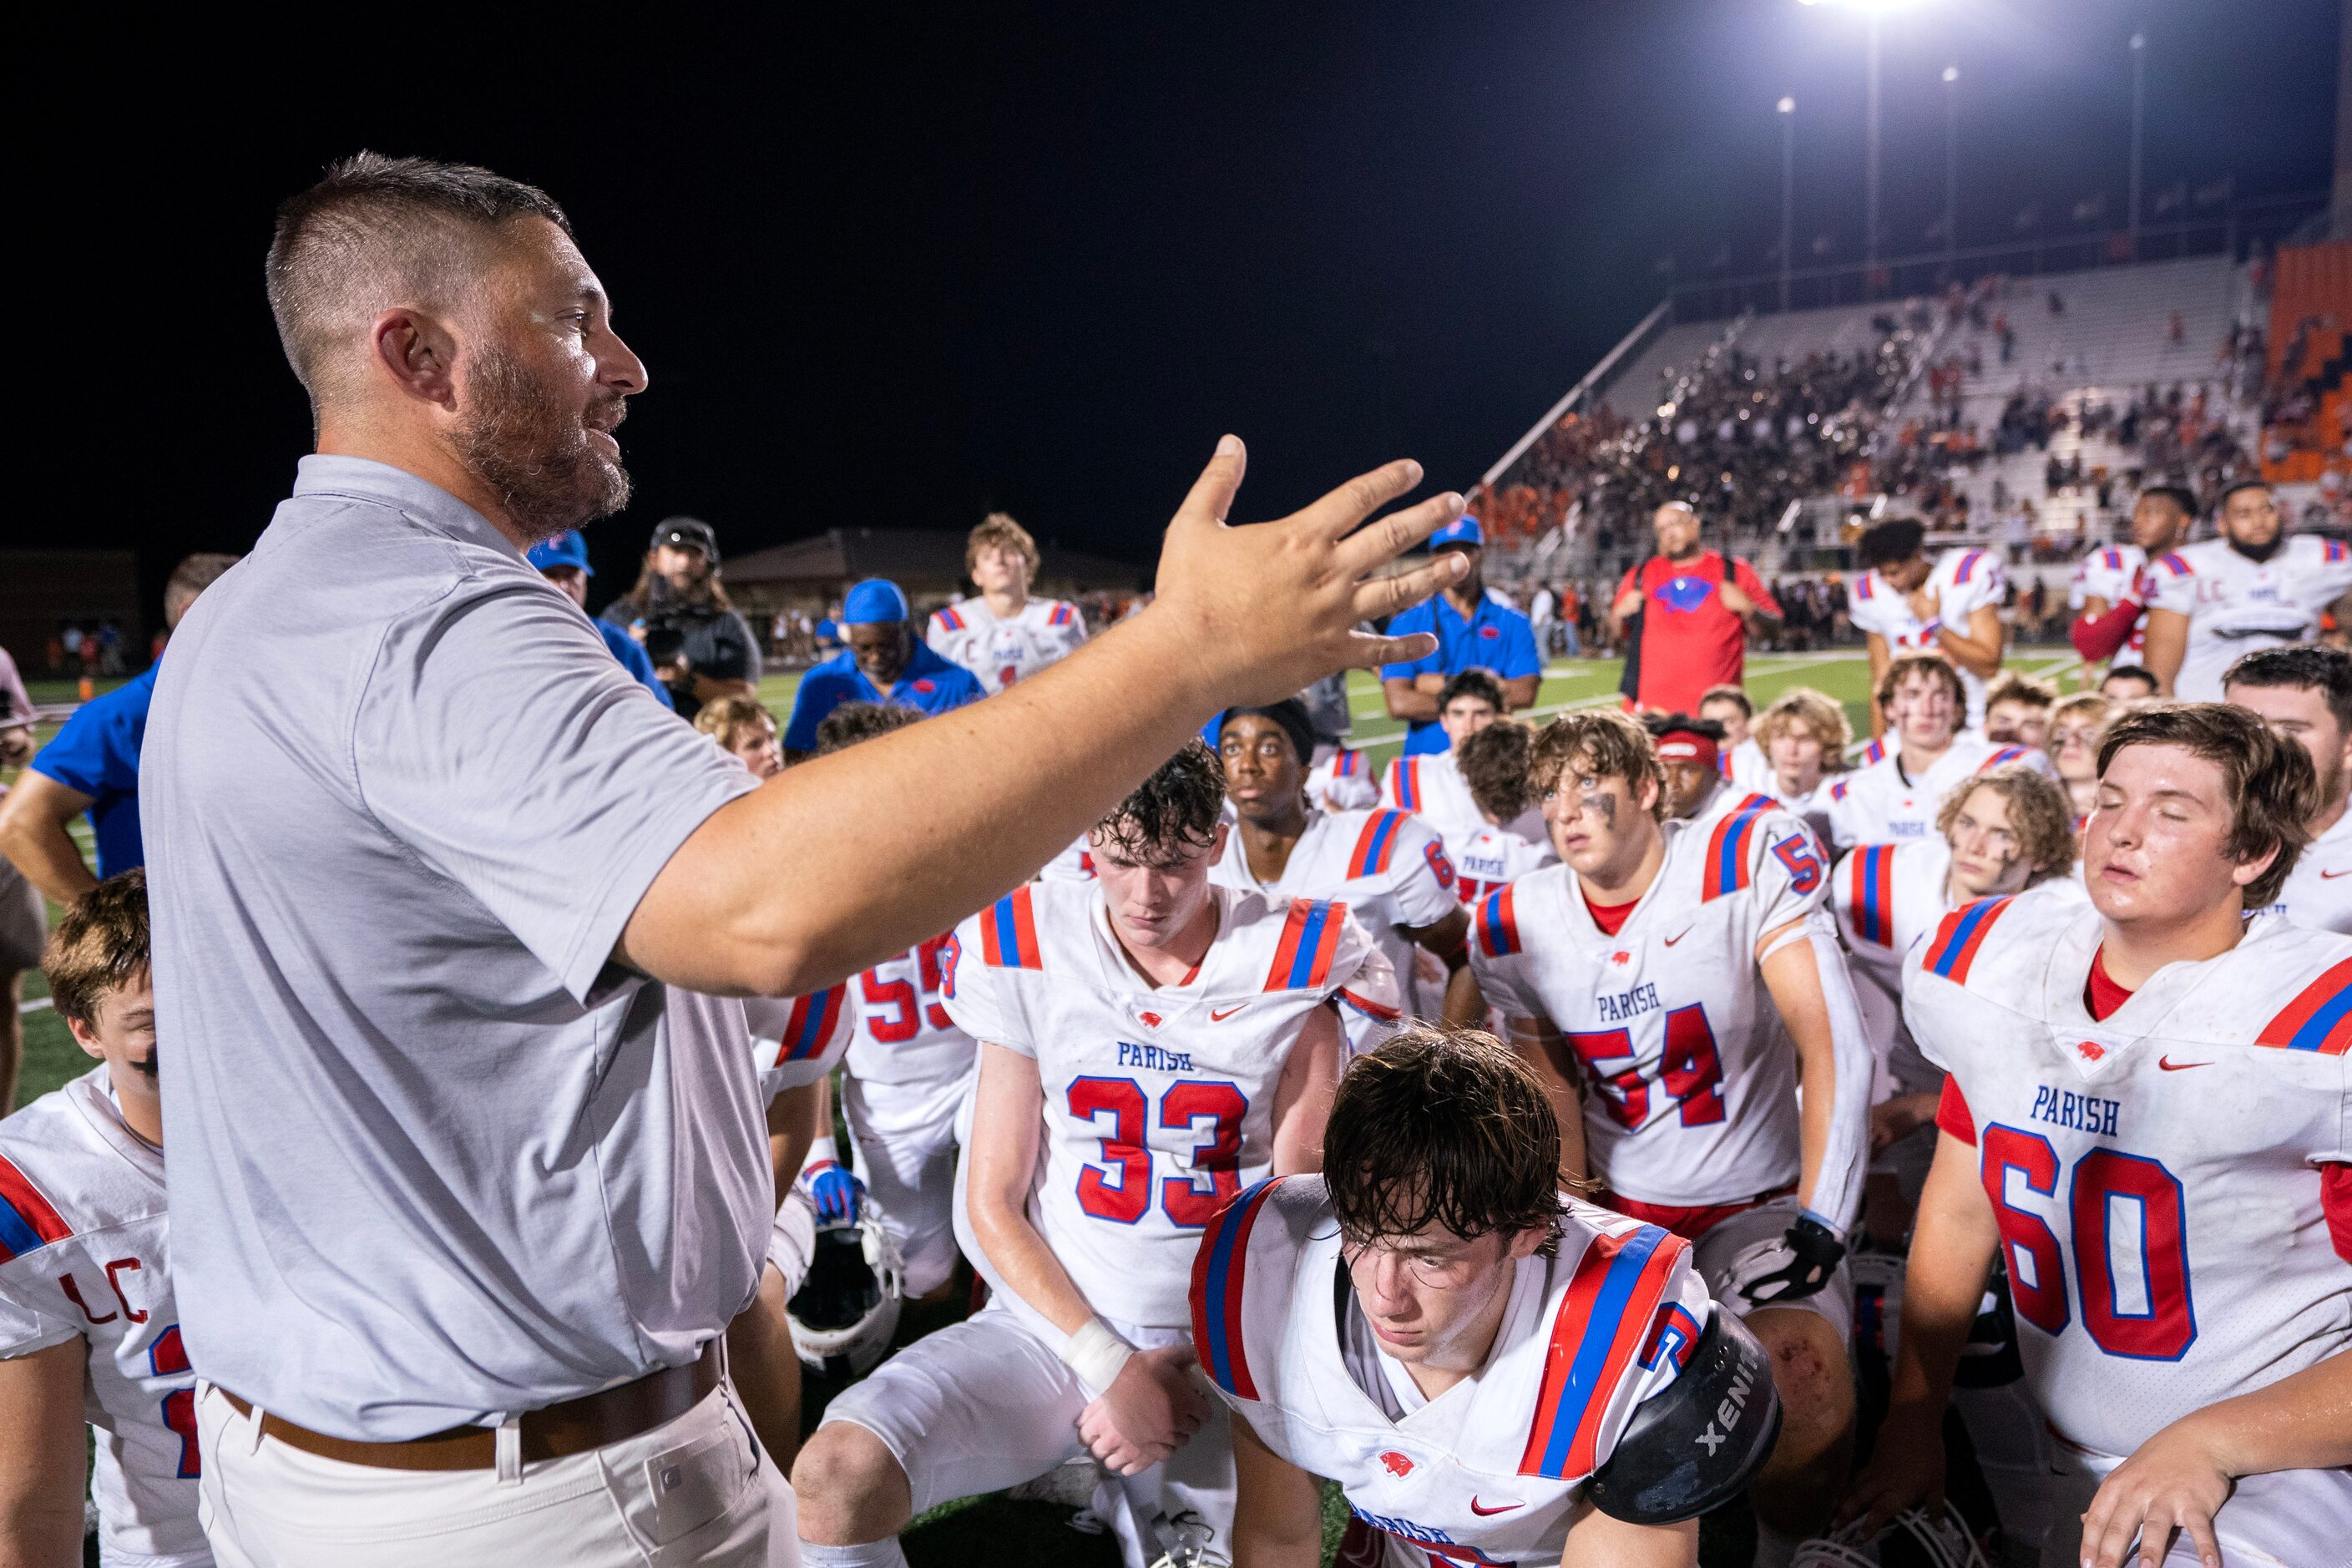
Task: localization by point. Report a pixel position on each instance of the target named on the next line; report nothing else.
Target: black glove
(1818, 1253)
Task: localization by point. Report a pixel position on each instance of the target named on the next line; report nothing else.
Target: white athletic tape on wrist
(1096, 1355)
(821, 1153)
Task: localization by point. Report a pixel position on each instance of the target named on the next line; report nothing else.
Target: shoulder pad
(1731, 850)
(28, 1220)
(1376, 843)
(1960, 936)
(945, 619)
(1865, 890)
(1701, 1439)
(1311, 937)
(1220, 1272)
(1496, 922)
(1008, 933)
(1605, 1323)
(2318, 1019)
(1060, 614)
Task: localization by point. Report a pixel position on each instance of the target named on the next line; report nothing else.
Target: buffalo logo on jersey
(1396, 1464)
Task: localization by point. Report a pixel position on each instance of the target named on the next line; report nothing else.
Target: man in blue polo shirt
(92, 765)
(563, 561)
(885, 662)
(1473, 632)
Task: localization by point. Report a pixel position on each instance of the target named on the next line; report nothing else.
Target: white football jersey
(1962, 580)
(903, 1033)
(1881, 804)
(1002, 652)
(1887, 896)
(1493, 1470)
(1430, 786)
(2155, 1176)
(796, 1040)
(1159, 1100)
(1389, 868)
(2235, 606)
(1690, 1077)
(2111, 572)
(1745, 766)
(1493, 857)
(1343, 782)
(2319, 892)
(1075, 864)
(85, 1253)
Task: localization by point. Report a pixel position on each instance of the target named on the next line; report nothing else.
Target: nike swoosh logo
(1680, 934)
(1484, 1513)
(2331, 876)
(1217, 1017)
(2169, 1064)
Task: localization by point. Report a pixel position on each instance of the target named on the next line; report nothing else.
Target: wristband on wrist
(821, 1153)
(1096, 1355)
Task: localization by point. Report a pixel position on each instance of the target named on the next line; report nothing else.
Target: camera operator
(701, 648)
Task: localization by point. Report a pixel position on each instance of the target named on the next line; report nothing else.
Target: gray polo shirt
(432, 1158)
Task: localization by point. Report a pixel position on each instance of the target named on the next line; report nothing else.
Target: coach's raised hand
(1273, 607)
(838, 863)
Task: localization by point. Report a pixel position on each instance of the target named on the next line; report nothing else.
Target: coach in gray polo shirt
(466, 1182)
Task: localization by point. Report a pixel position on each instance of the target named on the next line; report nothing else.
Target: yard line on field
(35, 1005)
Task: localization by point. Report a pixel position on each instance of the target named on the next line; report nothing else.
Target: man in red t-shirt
(1697, 608)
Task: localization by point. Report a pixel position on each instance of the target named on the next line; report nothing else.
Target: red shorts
(1690, 1223)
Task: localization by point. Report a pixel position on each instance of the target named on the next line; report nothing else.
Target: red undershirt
(2101, 994)
(1610, 918)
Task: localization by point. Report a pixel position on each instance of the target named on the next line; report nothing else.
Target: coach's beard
(536, 456)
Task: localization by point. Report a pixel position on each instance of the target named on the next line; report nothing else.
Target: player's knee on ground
(851, 1488)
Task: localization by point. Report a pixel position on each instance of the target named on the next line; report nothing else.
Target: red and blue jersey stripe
(1862, 588)
(1498, 924)
(1604, 1324)
(1376, 846)
(947, 619)
(2175, 564)
(1302, 959)
(1405, 782)
(1008, 933)
(1968, 566)
(2006, 754)
(1873, 753)
(810, 1024)
(28, 1221)
(1347, 762)
(1874, 894)
(1217, 1275)
(1726, 852)
(2112, 559)
(1062, 614)
(1962, 934)
(2318, 1019)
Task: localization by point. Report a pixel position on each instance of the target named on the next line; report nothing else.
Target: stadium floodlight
(1787, 108)
(1951, 73)
(1951, 163)
(2140, 95)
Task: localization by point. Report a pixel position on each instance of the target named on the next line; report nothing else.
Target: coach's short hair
(1442, 1126)
(1885, 543)
(2039, 812)
(1173, 813)
(378, 232)
(724, 719)
(100, 946)
(1474, 683)
(2130, 672)
(1494, 764)
(2307, 666)
(854, 721)
(998, 530)
(1822, 716)
(1728, 692)
(190, 578)
(1904, 665)
(2268, 781)
(1605, 745)
(2016, 686)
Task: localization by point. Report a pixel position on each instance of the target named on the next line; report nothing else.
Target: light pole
(1788, 107)
(1951, 164)
(1870, 163)
(2139, 94)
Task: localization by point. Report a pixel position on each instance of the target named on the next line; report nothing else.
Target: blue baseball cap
(566, 549)
(1462, 533)
(875, 599)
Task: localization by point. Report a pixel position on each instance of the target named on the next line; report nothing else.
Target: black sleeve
(735, 657)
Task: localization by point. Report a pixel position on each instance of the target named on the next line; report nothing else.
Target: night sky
(897, 267)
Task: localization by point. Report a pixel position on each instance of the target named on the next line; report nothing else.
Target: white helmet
(845, 1312)
(1912, 1539)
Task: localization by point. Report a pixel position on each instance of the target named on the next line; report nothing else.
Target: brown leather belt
(574, 1427)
